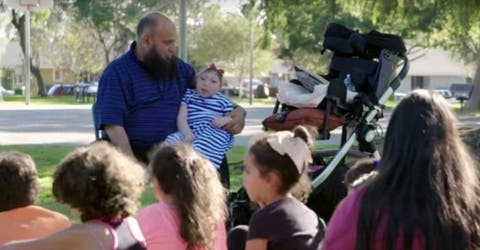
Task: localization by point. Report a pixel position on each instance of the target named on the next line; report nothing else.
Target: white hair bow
(285, 142)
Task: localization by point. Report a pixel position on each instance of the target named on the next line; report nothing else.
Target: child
(191, 210)
(273, 165)
(19, 218)
(103, 185)
(360, 173)
(426, 194)
(203, 112)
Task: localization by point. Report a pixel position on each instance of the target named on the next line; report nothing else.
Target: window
(57, 75)
(418, 82)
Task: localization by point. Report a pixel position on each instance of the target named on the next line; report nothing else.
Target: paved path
(72, 125)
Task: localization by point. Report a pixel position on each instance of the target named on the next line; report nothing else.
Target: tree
(3, 41)
(225, 40)
(19, 23)
(113, 23)
(453, 25)
(298, 28)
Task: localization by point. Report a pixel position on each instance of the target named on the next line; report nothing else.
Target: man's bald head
(150, 20)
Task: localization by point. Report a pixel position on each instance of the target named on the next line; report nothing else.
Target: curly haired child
(103, 185)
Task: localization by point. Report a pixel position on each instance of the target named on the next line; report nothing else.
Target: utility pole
(183, 30)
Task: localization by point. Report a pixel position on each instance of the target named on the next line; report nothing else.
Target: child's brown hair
(196, 188)
(99, 181)
(269, 159)
(18, 180)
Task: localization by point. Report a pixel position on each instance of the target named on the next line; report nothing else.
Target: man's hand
(221, 121)
(236, 125)
(119, 138)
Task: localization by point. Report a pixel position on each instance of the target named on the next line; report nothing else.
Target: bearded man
(140, 92)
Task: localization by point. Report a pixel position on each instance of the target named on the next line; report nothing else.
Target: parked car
(444, 92)
(399, 96)
(260, 90)
(229, 91)
(6, 92)
(61, 89)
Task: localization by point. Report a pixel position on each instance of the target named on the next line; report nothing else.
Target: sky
(229, 5)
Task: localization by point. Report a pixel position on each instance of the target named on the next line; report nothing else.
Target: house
(437, 69)
(12, 64)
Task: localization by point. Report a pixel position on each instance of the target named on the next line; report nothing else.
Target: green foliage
(224, 40)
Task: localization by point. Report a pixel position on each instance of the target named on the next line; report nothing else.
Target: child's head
(360, 173)
(422, 138)
(100, 182)
(276, 161)
(18, 180)
(194, 185)
(209, 81)
(429, 176)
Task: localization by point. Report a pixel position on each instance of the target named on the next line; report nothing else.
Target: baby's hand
(221, 121)
(189, 137)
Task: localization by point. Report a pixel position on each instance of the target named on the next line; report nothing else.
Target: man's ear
(146, 40)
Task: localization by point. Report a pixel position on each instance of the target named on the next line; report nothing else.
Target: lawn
(46, 157)
(37, 100)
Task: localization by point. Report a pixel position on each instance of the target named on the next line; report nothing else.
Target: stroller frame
(371, 116)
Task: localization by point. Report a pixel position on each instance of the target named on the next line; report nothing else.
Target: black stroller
(365, 64)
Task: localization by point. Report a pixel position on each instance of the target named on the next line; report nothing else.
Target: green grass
(46, 157)
(37, 100)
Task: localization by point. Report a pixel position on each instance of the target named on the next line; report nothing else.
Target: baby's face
(208, 84)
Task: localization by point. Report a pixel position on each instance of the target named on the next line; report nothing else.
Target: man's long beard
(160, 68)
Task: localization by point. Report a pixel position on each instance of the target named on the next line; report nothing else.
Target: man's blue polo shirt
(146, 108)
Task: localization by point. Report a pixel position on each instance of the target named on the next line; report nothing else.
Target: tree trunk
(19, 24)
(38, 75)
(474, 102)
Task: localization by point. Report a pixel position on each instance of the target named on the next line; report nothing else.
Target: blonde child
(274, 164)
(191, 208)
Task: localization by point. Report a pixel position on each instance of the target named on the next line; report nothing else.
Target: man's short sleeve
(111, 103)
(190, 74)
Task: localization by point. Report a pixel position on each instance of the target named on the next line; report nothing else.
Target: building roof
(437, 62)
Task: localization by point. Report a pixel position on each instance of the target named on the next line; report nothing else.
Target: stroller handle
(394, 84)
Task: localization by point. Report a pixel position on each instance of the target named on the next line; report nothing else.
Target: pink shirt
(341, 231)
(160, 226)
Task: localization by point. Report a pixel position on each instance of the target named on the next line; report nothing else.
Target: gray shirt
(286, 224)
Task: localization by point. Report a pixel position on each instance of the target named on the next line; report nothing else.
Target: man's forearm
(235, 126)
(119, 138)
